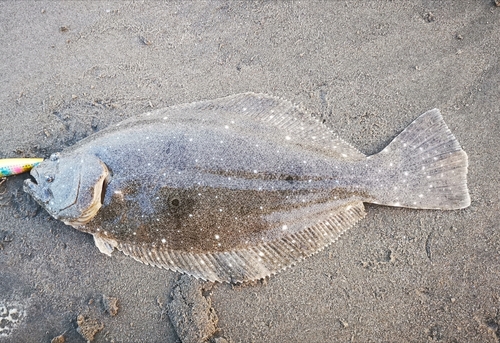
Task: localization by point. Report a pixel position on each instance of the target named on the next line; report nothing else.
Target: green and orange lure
(13, 166)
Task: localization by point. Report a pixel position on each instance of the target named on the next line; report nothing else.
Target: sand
(366, 68)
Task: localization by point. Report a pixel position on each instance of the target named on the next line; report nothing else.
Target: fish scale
(238, 188)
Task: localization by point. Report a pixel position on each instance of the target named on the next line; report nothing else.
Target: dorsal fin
(254, 261)
(259, 113)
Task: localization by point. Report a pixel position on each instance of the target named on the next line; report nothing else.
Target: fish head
(69, 188)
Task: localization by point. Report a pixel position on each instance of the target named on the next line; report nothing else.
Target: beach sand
(365, 68)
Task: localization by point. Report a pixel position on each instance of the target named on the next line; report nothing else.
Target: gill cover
(69, 188)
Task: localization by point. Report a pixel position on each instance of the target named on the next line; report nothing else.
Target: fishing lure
(13, 166)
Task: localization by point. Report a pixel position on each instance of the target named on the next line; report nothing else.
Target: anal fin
(255, 261)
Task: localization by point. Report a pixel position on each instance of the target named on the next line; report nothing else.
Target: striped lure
(13, 166)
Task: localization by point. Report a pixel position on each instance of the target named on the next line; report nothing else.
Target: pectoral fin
(105, 245)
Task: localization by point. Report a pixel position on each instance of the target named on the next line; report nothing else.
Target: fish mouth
(32, 187)
(32, 181)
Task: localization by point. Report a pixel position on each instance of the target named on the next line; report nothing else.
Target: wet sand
(367, 69)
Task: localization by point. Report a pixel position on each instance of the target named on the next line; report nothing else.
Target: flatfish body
(239, 188)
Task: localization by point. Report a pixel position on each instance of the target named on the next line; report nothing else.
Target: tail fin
(424, 167)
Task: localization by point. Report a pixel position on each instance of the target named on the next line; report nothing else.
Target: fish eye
(175, 202)
(49, 178)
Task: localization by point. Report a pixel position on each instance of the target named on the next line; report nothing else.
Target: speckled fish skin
(239, 188)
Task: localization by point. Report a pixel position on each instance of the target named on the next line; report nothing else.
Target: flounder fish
(239, 188)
